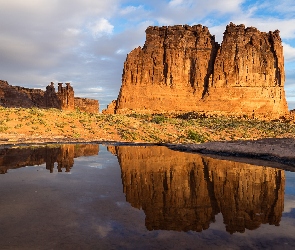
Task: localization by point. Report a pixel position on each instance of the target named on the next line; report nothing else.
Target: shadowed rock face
(182, 192)
(182, 68)
(63, 155)
(14, 96)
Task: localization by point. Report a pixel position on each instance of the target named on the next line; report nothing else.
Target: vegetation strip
(20, 125)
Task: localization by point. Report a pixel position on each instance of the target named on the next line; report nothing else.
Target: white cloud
(121, 52)
(131, 10)
(281, 6)
(289, 52)
(175, 3)
(286, 27)
(205, 7)
(226, 6)
(98, 89)
(54, 40)
(73, 31)
(101, 27)
(218, 32)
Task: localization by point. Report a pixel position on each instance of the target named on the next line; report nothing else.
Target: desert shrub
(18, 126)
(191, 115)
(158, 119)
(195, 136)
(3, 128)
(127, 134)
(33, 111)
(145, 117)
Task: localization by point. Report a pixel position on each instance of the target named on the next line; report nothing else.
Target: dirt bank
(278, 150)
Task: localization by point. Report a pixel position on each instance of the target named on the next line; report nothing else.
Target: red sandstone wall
(249, 74)
(169, 72)
(14, 96)
(183, 69)
(86, 105)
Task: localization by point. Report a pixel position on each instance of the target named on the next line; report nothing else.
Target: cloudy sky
(85, 42)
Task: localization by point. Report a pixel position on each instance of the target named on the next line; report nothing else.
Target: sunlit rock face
(182, 191)
(249, 73)
(62, 155)
(182, 69)
(171, 70)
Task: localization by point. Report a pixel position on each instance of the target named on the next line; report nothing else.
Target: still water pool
(141, 197)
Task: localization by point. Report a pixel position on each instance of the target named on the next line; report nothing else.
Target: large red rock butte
(182, 69)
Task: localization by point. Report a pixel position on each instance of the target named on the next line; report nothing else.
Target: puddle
(148, 197)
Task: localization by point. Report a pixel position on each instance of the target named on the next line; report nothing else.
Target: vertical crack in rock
(272, 38)
(210, 70)
(192, 72)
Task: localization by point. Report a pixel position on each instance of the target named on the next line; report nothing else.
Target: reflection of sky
(100, 161)
(290, 183)
(289, 202)
(90, 206)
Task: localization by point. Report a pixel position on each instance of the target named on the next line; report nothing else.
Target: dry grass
(20, 124)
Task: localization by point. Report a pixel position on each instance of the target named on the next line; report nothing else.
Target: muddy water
(132, 197)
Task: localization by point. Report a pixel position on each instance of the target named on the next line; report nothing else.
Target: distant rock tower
(62, 99)
(182, 69)
(66, 96)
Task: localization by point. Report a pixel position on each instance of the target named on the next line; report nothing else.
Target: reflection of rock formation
(182, 191)
(63, 155)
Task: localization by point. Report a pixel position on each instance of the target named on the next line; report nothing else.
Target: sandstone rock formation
(110, 108)
(182, 191)
(15, 96)
(182, 69)
(63, 155)
(86, 105)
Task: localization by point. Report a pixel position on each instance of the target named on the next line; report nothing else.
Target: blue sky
(85, 42)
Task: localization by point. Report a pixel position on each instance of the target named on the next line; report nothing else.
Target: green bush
(158, 119)
(195, 136)
(3, 128)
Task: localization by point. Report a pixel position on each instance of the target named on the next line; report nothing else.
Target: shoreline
(276, 152)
